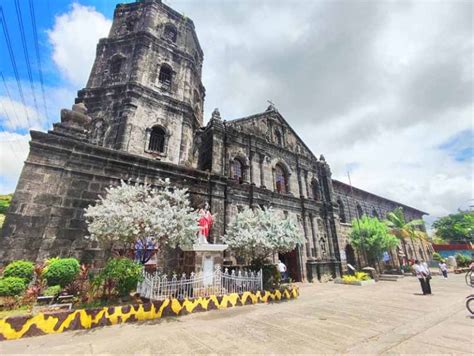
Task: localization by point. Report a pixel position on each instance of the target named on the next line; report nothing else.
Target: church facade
(140, 118)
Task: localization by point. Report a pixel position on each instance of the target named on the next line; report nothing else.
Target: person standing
(421, 274)
(444, 269)
(428, 276)
(282, 269)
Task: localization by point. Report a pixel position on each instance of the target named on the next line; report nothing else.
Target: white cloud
(74, 38)
(14, 115)
(377, 86)
(13, 152)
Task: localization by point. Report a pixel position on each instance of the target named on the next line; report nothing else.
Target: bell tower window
(170, 33)
(157, 140)
(116, 65)
(166, 75)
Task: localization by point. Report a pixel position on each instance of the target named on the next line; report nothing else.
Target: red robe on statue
(205, 223)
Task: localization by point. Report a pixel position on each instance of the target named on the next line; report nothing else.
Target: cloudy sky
(384, 89)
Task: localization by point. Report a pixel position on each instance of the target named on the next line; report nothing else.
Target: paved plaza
(385, 318)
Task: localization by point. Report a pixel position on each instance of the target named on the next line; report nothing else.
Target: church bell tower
(144, 93)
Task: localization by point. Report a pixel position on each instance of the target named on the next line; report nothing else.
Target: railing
(157, 287)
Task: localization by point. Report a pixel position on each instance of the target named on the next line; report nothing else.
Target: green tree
(5, 201)
(258, 233)
(456, 227)
(373, 236)
(403, 229)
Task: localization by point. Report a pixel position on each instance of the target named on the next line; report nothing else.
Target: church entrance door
(290, 259)
(350, 255)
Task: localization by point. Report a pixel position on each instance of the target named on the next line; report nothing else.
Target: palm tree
(416, 234)
(401, 228)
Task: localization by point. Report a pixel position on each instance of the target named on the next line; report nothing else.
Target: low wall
(57, 322)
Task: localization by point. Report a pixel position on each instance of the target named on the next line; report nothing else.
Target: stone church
(140, 117)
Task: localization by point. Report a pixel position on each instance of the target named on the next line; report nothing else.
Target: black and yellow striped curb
(57, 322)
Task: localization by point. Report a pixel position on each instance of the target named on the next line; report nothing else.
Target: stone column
(251, 178)
(262, 174)
(313, 237)
(306, 183)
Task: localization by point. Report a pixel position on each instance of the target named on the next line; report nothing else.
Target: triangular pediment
(271, 126)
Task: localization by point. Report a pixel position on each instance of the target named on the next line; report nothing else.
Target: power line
(38, 57)
(19, 16)
(9, 142)
(10, 98)
(12, 59)
(6, 115)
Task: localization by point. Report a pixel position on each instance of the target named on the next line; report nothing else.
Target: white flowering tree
(142, 217)
(256, 234)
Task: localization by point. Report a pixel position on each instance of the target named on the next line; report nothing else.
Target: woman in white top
(422, 275)
(443, 268)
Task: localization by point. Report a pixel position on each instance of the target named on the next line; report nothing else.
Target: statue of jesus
(205, 224)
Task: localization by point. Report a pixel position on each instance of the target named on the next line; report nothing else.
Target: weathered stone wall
(348, 200)
(127, 103)
(62, 176)
(254, 142)
(370, 204)
(68, 168)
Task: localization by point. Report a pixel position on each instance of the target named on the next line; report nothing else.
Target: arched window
(342, 214)
(157, 139)
(170, 33)
(375, 214)
(360, 212)
(281, 179)
(116, 64)
(316, 189)
(237, 170)
(278, 138)
(130, 23)
(166, 75)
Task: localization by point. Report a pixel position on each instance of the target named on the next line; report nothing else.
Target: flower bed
(57, 322)
(355, 283)
(359, 279)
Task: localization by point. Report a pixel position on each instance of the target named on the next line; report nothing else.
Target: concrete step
(389, 277)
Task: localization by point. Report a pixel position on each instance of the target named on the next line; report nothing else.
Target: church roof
(347, 186)
(271, 111)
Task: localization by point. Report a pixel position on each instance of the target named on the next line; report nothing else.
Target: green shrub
(121, 274)
(12, 286)
(462, 260)
(271, 277)
(61, 271)
(52, 291)
(20, 269)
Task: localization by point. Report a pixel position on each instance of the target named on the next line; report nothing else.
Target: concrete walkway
(385, 318)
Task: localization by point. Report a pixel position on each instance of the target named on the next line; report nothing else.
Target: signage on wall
(343, 255)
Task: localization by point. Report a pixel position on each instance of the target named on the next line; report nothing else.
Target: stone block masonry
(63, 176)
(140, 117)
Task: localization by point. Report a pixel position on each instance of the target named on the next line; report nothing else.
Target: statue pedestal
(203, 257)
